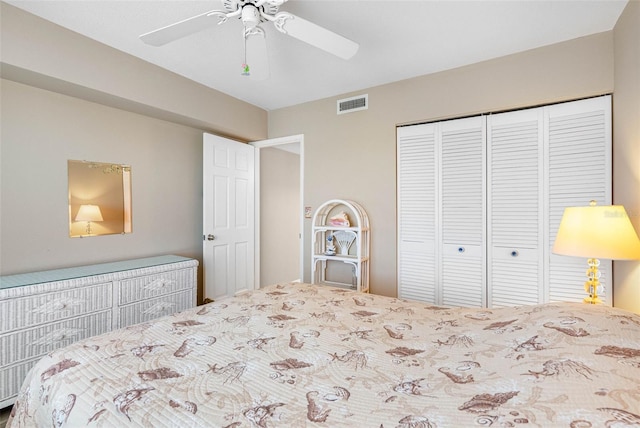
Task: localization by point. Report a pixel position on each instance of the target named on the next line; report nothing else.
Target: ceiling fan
(252, 13)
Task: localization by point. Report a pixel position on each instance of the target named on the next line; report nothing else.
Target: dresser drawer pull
(158, 284)
(461, 250)
(66, 333)
(57, 305)
(515, 253)
(159, 308)
(58, 336)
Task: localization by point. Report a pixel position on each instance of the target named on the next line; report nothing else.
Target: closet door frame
(570, 279)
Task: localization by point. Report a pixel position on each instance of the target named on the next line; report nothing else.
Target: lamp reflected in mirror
(99, 198)
(89, 213)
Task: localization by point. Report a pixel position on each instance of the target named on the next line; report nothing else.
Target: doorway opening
(279, 177)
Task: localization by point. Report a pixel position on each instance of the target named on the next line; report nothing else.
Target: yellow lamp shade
(597, 232)
(89, 213)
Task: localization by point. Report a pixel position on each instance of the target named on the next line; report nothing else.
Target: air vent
(357, 103)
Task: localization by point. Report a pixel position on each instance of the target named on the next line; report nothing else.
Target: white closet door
(462, 212)
(416, 198)
(579, 146)
(515, 208)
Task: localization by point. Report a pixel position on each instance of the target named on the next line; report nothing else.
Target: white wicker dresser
(46, 310)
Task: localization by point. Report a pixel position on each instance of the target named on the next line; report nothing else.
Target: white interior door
(228, 217)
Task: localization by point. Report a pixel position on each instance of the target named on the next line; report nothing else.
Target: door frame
(272, 142)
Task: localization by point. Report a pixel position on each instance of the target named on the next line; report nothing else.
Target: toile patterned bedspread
(298, 355)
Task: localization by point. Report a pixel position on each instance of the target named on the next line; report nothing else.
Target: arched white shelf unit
(332, 243)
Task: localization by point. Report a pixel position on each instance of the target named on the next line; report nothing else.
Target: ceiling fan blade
(315, 35)
(184, 28)
(256, 53)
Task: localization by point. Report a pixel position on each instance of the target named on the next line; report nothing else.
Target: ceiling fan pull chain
(245, 66)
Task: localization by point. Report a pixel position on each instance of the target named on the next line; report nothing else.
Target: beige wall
(352, 156)
(39, 53)
(626, 145)
(41, 130)
(279, 216)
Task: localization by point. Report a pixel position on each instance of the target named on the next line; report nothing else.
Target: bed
(298, 355)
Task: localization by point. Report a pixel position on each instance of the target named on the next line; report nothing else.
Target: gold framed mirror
(99, 198)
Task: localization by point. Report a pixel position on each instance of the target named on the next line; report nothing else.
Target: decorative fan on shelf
(344, 239)
(253, 13)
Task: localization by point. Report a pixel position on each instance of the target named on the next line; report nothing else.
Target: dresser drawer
(37, 341)
(155, 308)
(11, 379)
(45, 308)
(149, 286)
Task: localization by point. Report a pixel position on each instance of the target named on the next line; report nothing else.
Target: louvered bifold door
(462, 212)
(515, 208)
(579, 146)
(416, 205)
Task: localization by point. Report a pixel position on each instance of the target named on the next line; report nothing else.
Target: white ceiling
(398, 39)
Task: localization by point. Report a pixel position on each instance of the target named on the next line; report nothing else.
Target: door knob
(210, 237)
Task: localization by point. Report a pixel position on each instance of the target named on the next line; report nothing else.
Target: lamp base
(592, 285)
(592, 300)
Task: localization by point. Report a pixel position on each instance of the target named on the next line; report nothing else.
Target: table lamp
(89, 213)
(596, 232)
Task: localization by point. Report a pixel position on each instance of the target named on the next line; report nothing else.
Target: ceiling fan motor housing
(270, 7)
(250, 15)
